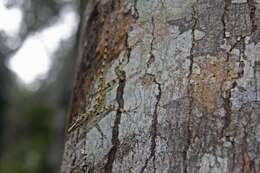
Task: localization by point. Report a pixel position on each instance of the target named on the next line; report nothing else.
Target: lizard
(100, 96)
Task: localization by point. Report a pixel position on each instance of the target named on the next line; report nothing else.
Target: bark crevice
(115, 131)
(226, 93)
(151, 54)
(252, 9)
(135, 12)
(189, 92)
(248, 164)
(128, 48)
(154, 127)
(227, 4)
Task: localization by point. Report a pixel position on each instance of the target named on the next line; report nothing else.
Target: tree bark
(182, 81)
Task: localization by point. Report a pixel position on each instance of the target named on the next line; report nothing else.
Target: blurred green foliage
(32, 121)
(28, 134)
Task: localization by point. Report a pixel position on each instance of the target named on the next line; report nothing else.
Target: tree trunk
(167, 86)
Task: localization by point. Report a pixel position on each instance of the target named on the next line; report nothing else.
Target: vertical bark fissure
(135, 12)
(256, 77)
(233, 150)
(115, 131)
(193, 44)
(227, 4)
(227, 104)
(189, 92)
(252, 8)
(248, 165)
(155, 122)
(73, 164)
(158, 97)
(242, 56)
(154, 128)
(128, 48)
(226, 94)
(151, 55)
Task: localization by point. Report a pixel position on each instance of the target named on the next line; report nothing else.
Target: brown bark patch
(207, 82)
(108, 24)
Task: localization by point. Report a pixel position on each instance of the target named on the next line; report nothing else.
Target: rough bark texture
(188, 101)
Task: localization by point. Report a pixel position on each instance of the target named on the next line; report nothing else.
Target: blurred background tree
(33, 115)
